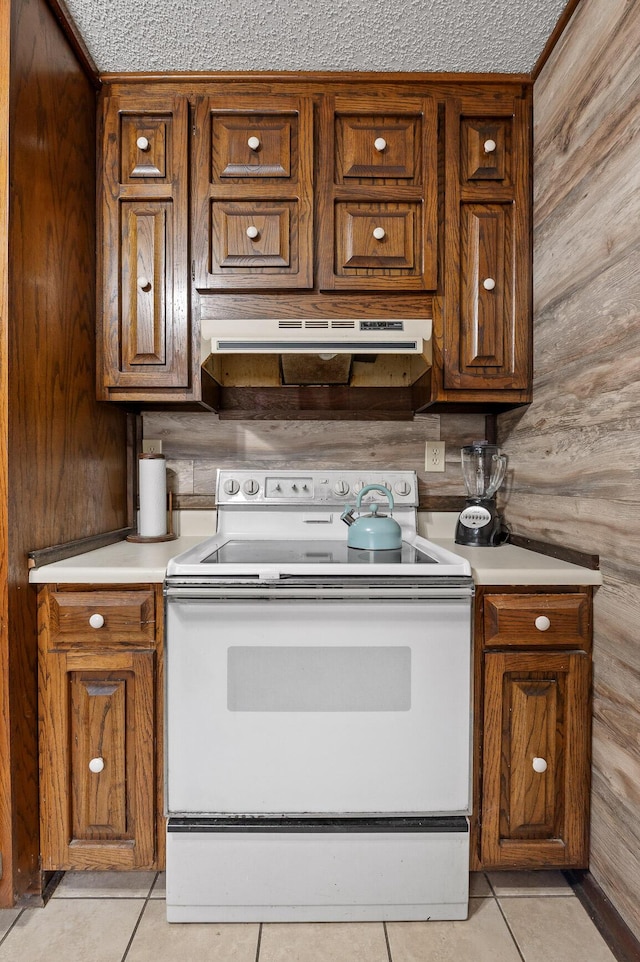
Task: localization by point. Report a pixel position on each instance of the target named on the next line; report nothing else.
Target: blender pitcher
(483, 470)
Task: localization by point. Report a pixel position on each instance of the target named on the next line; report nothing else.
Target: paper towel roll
(152, 476)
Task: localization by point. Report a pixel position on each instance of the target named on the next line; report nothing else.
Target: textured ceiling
(423, 35)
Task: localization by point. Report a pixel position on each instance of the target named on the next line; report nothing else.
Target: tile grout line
(259, 941)
(386, 938)
(139, 919)
(10, 929)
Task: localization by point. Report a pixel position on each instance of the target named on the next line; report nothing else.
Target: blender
(483, 470)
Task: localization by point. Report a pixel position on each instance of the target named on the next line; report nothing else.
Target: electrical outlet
(434, 456)
(152, 446)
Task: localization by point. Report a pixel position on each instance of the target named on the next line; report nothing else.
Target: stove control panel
(244, 487)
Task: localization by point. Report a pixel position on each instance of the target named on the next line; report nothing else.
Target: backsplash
(196, 445)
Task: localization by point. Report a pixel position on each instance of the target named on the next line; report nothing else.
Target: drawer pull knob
(378, 233)
(252, 232)
(143, 283)
(539, 765)
(96, 621)
(96, 765)
(380, 143)
(489, 146)
(488, 283)
(542, 623)
(253, 143)
(142, 143)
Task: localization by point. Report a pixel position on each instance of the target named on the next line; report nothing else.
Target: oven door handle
(318, 593)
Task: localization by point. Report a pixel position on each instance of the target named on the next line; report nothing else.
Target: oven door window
(318, 707)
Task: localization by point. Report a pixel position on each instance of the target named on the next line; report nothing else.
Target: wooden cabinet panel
(378, 171)
(486, 321)
(99, 727)
(485, 146)
(143, 145)
(378, 237)
(549, 620)
(379, 147)
(252, 166)
(144, 330)
(536, 715)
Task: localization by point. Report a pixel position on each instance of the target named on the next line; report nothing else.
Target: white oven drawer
(241, 875)
(318, 706)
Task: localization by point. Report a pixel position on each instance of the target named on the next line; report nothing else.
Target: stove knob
(403, 487)
(231, 486)
(358, 486)
(341, 488)
(251, 487)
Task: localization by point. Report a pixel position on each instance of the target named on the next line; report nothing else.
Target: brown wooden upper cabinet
(315, 198)
(487, 298)
(378, 194)
(252, 193)
(144, 331)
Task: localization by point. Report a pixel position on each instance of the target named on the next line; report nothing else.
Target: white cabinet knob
(96, 765)
(542, 623)
(252, 232)
(488, 283)
(378, 233)
(489, 146)
(253, 143)
(380, 143)
(96, 621)
(539, 765)
(142, 143)
(143, 283)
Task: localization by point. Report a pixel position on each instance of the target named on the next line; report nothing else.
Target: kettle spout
(347, 515)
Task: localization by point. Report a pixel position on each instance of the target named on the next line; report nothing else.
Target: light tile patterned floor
(118, 917)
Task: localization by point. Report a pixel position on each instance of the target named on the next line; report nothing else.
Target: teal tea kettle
(372, 532)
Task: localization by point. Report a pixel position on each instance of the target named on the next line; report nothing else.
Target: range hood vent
(317, 336)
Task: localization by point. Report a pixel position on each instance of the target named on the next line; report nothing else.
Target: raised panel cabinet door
(487, 305)
(97, 760)
(378, 193)
(252, 175)
(144, 328)
(536, 760)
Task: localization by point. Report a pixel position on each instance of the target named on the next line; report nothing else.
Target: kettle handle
(374, 487)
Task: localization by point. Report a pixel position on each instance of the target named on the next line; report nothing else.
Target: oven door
(335, 704)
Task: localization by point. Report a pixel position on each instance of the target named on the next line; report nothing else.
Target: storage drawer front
(486, 150)
(555, 621)
(127, 618)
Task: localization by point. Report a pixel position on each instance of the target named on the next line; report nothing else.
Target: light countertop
(129, 563)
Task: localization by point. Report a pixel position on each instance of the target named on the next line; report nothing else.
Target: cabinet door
(487, 280)
(535, 760)
(144, 342)
(378, 194)
(252, 168)
(97, 761)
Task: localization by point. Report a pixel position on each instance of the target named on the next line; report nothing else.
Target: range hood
(317, 336)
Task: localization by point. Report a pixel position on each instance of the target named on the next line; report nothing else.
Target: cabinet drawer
(251, 234)
(101, 618)
(253, 146)
(544, 620)
(485, 145)
(378, 237)
(145, 154)
(374, 148)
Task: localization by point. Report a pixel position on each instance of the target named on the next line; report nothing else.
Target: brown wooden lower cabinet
(100, 718)
(532, 729)
(100, 729)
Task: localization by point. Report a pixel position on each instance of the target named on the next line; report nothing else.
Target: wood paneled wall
(575, 453)
(195, 445)
(62, 454)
